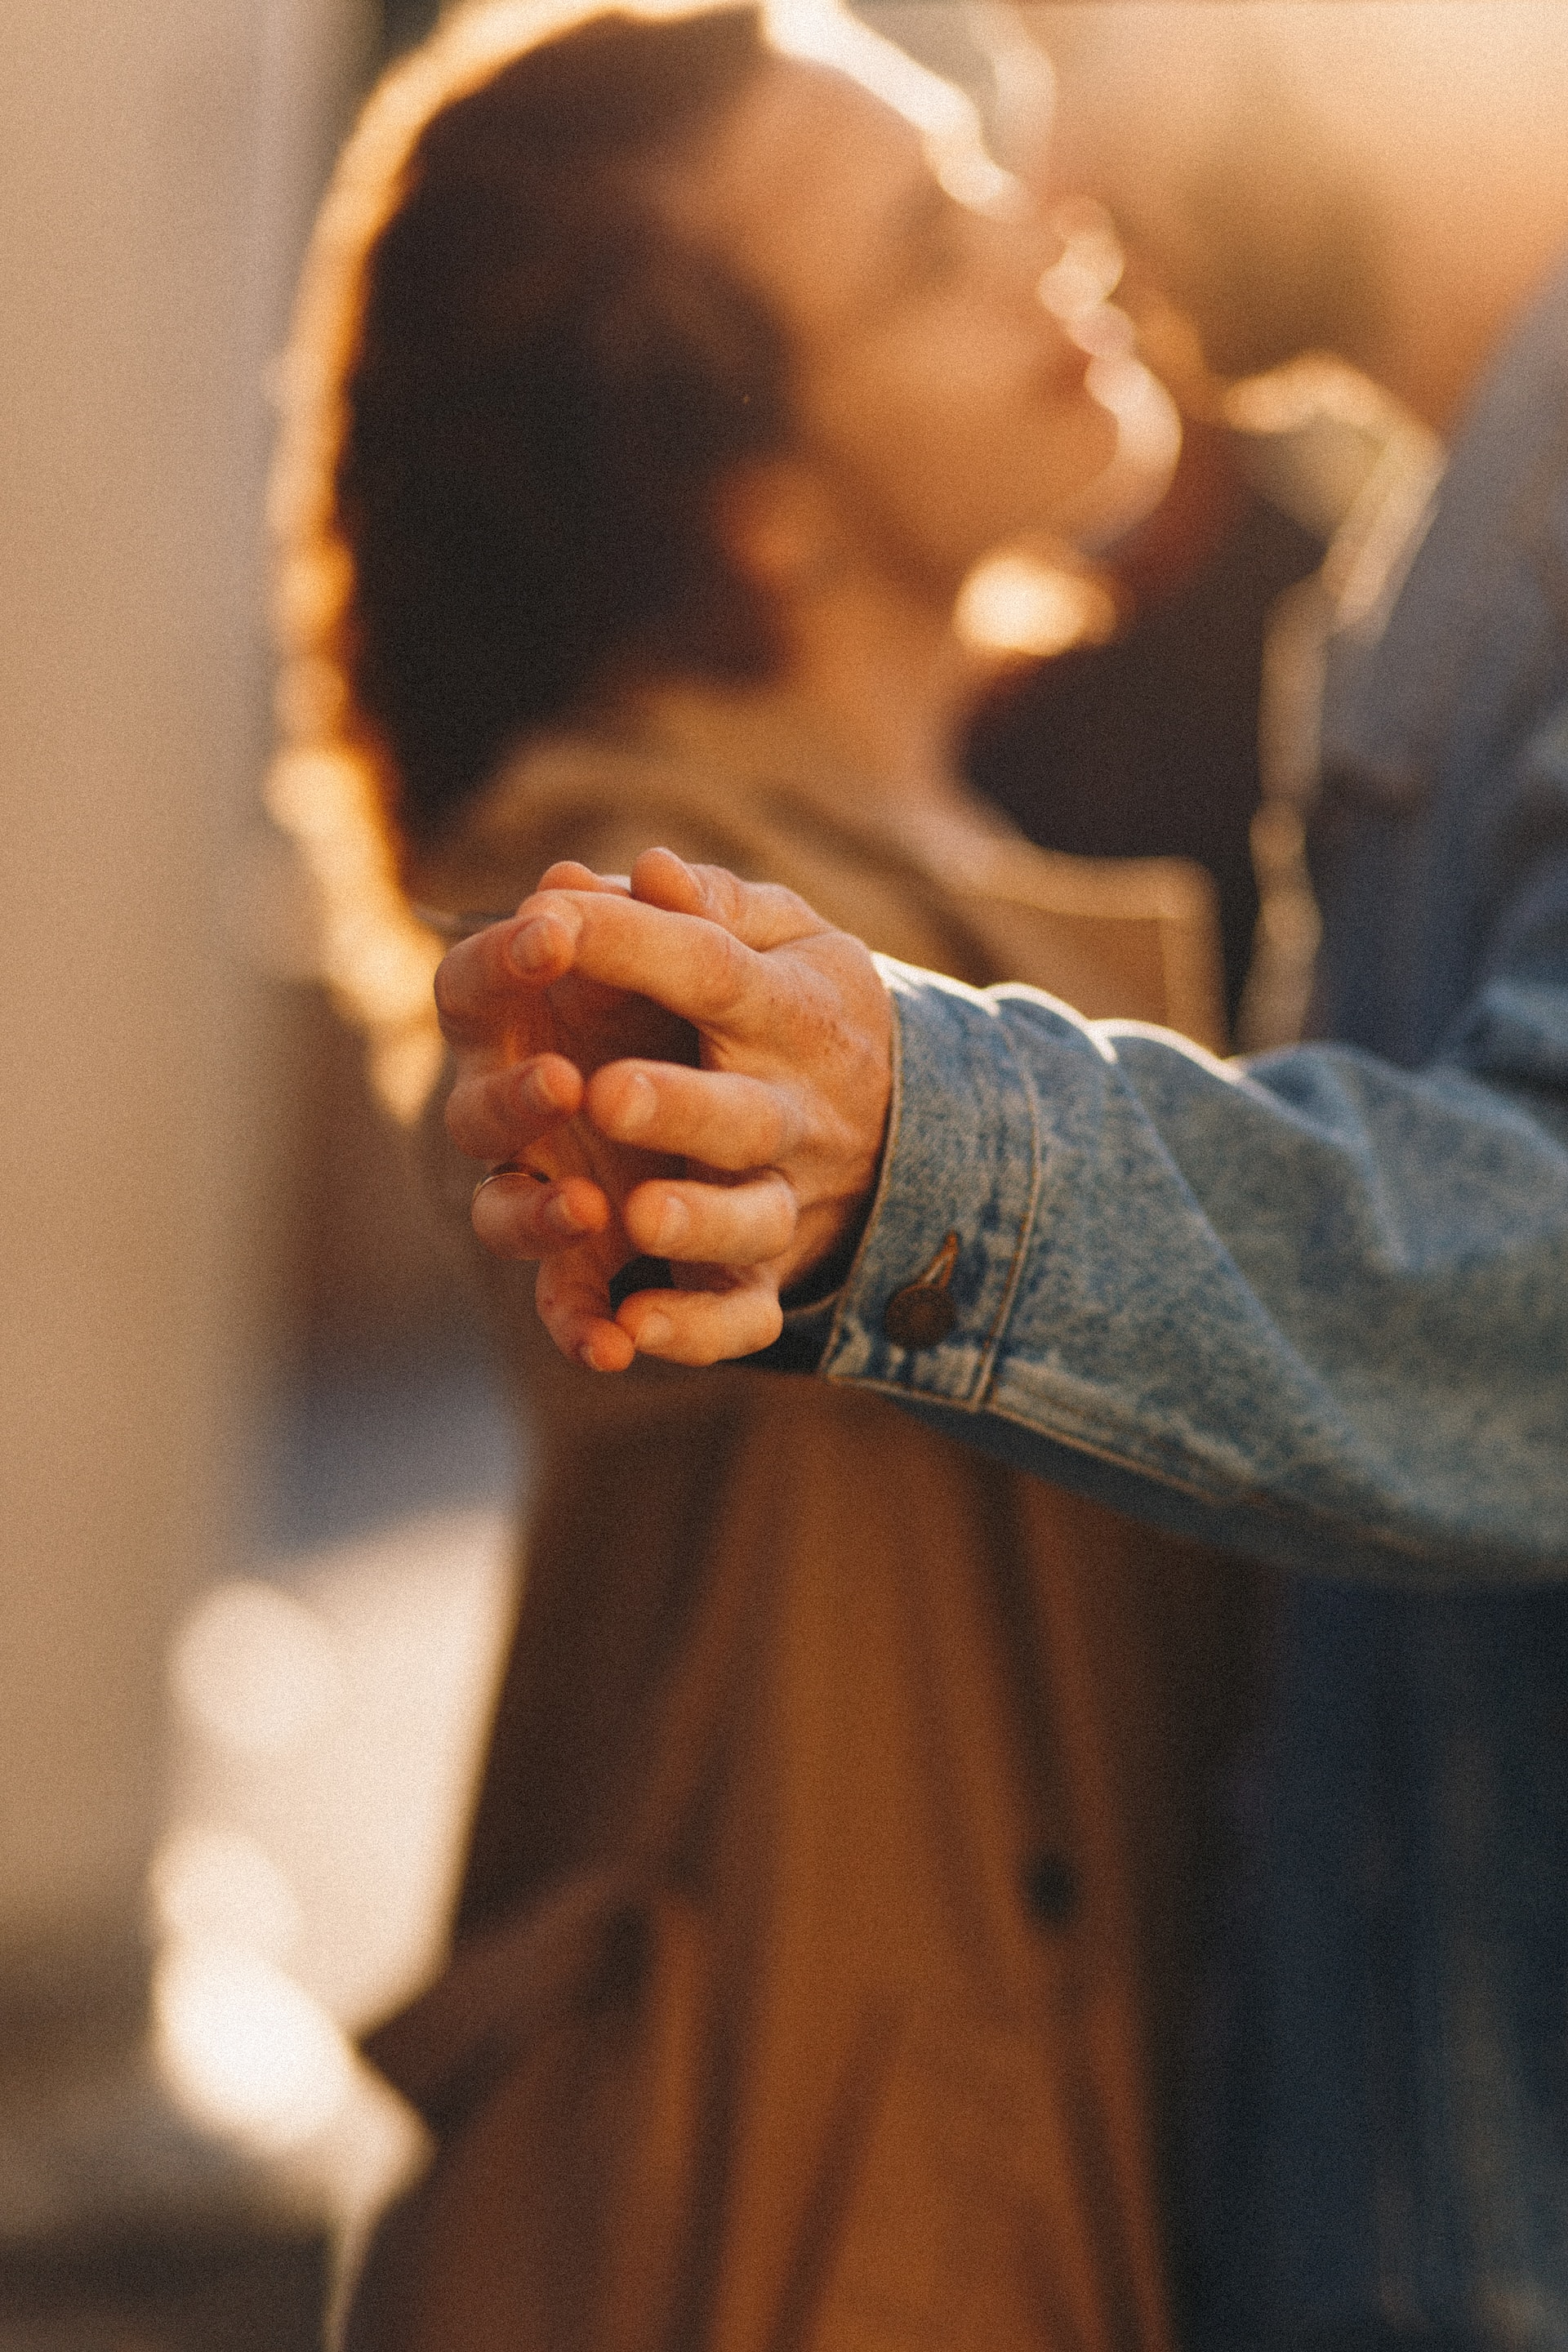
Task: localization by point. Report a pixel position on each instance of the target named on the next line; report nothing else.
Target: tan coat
(828, 1936)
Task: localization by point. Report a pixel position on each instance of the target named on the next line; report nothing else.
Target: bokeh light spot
(244, 2048)
(254, 1668)
(1014, 604)
(216, 1886)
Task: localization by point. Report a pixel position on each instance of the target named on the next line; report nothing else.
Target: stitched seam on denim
(986, 1370)
(1080, 1430)
(1079, 1443)
(1080, 1440)
(884, 1176)
(1350, 1529)
(1353, 1534)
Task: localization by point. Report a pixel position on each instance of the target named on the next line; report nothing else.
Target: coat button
(921, 1313)
(1050, 1890)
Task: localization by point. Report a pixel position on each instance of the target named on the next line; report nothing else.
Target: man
(1317, 1309)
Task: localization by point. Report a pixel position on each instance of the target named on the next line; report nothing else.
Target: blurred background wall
(158, 161)
(231, 1339)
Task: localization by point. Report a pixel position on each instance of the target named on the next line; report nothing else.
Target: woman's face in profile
(943, 402)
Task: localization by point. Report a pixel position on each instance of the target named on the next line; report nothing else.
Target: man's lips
(1063, 378)
(1103, 333)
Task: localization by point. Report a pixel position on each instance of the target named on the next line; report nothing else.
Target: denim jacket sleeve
(1314, 1308)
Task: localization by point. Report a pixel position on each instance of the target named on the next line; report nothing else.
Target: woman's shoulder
(596, 799)
(602, 800)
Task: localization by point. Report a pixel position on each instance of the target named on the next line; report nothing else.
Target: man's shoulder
(1512, 445)
(1479, 611)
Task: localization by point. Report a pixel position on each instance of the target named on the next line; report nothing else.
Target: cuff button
(919, 1316)
(921, 1313)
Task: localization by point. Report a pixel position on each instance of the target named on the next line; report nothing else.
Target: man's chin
(1138, 433)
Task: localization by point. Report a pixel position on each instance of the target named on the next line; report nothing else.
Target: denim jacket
(1316, 1308)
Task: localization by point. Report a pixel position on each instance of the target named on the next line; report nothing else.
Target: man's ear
(777, 525)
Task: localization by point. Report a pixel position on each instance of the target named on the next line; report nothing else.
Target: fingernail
(536, 1094)
(673, 1225)
(638, 1103)
(655, 1331)
(559, 1217)
(534, 946)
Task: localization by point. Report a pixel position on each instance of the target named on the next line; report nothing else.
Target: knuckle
(777, 1128)
(802, 918)
(763, 1220)
(717, 890)
(724, 971)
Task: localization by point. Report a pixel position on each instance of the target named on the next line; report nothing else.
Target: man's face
(945, 405)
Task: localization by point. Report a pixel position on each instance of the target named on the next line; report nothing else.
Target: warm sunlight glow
(243, 2049)
(1089, 270)
(216, 1886)
(826, 34)
(1016, 604)
(1075, 288)
(254, 1667)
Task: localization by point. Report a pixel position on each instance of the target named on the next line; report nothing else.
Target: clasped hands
(681, 1066)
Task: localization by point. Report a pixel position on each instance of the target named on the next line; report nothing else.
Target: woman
(830, 1903)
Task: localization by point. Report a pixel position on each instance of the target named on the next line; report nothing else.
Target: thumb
(761, 915)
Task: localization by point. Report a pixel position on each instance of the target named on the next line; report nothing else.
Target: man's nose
(1088, 262)
(1024, 251)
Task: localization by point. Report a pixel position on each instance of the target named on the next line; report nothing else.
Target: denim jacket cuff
(928, 1296)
